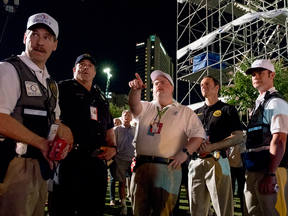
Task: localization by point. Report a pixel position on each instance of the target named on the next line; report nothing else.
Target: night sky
(107, 30)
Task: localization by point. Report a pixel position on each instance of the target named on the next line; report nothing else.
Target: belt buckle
(149, 158)
(216, 155)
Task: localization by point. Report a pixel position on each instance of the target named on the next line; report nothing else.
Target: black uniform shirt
(219, 120)
(75, 102)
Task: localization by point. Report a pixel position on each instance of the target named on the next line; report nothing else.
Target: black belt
(215, 154)
(152, 159)
(85, 149)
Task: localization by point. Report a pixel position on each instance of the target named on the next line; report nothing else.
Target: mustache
(39, 48)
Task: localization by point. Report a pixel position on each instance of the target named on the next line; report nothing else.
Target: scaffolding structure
(197, 20)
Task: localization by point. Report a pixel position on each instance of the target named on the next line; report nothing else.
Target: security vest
(258, 132)
(35, 107)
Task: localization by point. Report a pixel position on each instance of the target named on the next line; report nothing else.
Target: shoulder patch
(200, 114)
(217, 113)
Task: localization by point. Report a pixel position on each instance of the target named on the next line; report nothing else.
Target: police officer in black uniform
(209, 172)
(82, 177)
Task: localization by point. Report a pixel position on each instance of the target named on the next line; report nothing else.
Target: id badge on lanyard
(156, 126)
(93, 113)
(52, 132)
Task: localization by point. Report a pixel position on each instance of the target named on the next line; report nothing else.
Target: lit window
(152, 47)
(145, 98)
(144, 94)
(145, 80)
(136, 60)
(152, 67)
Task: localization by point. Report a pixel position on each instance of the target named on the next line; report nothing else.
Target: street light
(107, 70)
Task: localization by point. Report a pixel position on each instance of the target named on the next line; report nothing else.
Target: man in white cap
(167, 134)
(29, 111)
(266, 158)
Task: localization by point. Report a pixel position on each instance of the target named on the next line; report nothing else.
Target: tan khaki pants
(210, 180)
(258, 204)
(24, 191)
(154, 189)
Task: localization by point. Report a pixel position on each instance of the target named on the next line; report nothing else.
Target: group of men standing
(167, 133)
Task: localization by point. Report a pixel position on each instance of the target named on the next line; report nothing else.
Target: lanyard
(161, 113)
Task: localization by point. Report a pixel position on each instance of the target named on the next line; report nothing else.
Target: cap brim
(88, 58)
(36, 25)
(250, 70)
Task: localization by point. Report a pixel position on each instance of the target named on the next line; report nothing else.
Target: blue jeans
(112, 168)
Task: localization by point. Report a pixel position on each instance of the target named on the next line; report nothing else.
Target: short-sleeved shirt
(219, 120)
(124, 138)
(76, 103)
(275, 113)
(180, 123)
(10, 90)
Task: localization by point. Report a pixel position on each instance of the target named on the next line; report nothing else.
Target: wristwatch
(186, 151)
(271, 174)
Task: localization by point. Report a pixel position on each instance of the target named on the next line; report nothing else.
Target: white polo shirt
(10, 84)
(179, 124)
(275, 113)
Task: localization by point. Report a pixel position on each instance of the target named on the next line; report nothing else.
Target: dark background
(107, 30)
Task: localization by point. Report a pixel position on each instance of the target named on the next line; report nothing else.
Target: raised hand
(137, 84)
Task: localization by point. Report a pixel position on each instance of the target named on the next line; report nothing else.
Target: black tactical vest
(258, 133)
(35, 112)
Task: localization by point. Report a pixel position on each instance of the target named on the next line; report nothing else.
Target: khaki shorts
(122, 167)
(23, 191)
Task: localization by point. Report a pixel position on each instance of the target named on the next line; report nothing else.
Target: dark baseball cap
(85, 56)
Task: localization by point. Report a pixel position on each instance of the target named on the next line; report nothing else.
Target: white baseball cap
(157, 73)
(44, 18)
(261, 63)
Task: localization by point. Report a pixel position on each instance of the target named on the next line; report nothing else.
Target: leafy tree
(117, 111)
(240, 91)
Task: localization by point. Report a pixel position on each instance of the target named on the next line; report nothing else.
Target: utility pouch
(7, 153)
(256, 161)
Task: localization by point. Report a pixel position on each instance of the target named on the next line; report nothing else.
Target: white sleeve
(144, 107)
(194, 127)
(276, 114)
(279, 123)
(9, 88)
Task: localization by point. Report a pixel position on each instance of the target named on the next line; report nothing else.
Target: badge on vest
(94, 113)
(53, 89)
(32, 89)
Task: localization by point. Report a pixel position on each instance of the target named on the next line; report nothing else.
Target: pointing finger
(137, 76)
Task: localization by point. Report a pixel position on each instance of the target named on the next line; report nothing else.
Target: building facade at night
(151, 55)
